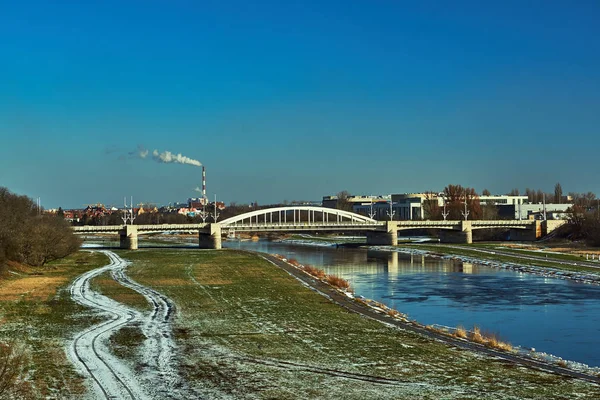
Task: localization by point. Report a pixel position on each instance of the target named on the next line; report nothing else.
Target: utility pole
(466, 212)
(215, 215)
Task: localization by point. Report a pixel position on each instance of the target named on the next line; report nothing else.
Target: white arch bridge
(315, 219)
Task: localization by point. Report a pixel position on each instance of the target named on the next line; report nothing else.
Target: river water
(552, 315)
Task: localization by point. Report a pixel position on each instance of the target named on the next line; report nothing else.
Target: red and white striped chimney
(203, 184)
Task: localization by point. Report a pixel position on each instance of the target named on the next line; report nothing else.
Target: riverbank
(451, 335)
(248, 329)
(551, 267)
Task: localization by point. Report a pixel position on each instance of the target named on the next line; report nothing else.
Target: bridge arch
(313, 215)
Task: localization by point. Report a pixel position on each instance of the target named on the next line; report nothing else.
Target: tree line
(27, 236)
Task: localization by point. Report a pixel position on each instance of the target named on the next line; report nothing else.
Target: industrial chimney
(204, 199)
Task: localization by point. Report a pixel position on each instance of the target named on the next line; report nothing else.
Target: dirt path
(158, 377)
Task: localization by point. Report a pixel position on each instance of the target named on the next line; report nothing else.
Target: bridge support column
(467, 231)
(528, 234)
(389, 237)
(465, 235)
(129, 237)
(550, 225)
(210, 238)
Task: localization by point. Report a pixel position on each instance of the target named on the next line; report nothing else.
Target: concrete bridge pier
(129, 237)
(465, 235)
(389, 237)
(527, 235)
(210, 238)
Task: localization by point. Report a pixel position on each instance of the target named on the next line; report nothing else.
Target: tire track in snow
(90, 348)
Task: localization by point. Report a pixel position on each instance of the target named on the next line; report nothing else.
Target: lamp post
(466, 212)
(215, 215)
(391, 213)
(128, 213)
(371, 214)
(444, 213)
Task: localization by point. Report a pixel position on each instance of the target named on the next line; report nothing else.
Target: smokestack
(204, 185)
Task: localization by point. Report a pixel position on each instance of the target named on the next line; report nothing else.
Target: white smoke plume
(168, 157)
(197, 189)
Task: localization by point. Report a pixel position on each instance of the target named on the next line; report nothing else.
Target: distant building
(197, 202)
(332, 201)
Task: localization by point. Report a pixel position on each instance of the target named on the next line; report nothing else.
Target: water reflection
(552, 315)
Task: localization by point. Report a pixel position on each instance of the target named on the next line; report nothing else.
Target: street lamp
(444, 213)
(215, 215)
(371, 214)
(391, 213)
(466, 212)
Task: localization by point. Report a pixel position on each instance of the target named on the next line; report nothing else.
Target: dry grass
(13, 360)
(435, 329)
(487, 339)
(476, 336)
(337, 282)
(460, 332)
(316, 272)
(40, 287)
(562, 363)
(393, 313)
(293, 262)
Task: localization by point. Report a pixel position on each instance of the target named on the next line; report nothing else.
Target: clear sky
(285, 100)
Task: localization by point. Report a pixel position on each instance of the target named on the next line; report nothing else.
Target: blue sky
(296, 100)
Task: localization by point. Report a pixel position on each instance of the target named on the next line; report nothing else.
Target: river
(555, 316)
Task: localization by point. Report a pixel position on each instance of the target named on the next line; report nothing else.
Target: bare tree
(486, 192)
(343, 202)
(431, 207)
(456, 196)
(558, 193)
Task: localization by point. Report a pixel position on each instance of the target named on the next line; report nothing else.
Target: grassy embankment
(37, 313)
(247, 329)
(471, 250)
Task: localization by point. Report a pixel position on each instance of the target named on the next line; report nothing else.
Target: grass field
(36, 313)
(246, 329)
